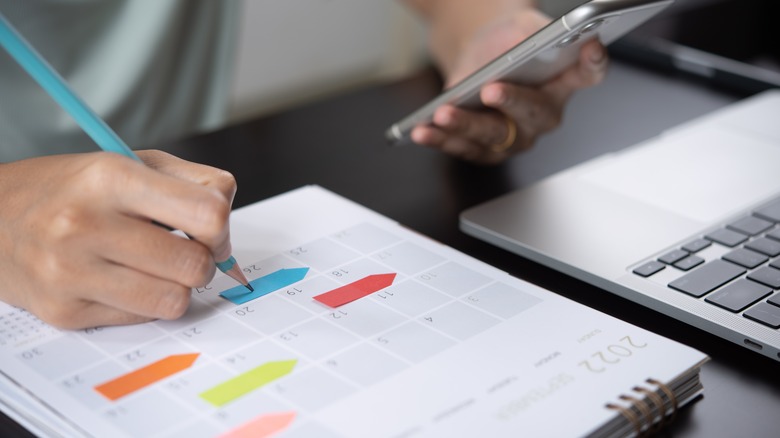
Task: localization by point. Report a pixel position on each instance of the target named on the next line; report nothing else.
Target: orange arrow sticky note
(143, 377)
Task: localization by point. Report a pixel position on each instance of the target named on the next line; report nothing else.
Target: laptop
(686, 223)
(674, 222)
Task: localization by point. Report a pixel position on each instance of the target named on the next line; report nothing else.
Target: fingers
(480, 135)
(198, 205)
(140, 294)
(153, 250)
(468, 135)
(533, 111)
(477, 127)
(590, 70)
(201, 174)
(207, 176)
(81, 249)
(461, 133)
(136, 300)
(523, 113)
(94, 293)
(86, 315)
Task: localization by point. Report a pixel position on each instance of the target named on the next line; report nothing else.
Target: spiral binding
(652, 411)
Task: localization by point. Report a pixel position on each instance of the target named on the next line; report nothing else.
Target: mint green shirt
(155, 70)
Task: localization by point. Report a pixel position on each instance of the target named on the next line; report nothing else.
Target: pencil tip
(249, 286)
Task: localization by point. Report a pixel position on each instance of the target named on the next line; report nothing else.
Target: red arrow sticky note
(355, 290)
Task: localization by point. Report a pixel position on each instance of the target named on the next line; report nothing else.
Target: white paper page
(449, 347)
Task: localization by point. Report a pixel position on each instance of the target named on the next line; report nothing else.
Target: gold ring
(511, 136)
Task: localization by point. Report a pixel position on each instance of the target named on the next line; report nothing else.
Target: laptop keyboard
(743, 278)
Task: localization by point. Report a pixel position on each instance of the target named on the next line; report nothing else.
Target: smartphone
(539, 57)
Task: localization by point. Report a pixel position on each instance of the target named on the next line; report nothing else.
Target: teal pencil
(91, 123)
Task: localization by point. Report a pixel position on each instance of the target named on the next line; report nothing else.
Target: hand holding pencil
(78, 246)
(92, 252)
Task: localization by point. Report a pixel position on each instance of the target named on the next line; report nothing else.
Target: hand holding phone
(542, 63)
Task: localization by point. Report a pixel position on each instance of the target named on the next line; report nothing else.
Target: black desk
(339, 144)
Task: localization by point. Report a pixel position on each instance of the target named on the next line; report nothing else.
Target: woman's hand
(78, 246)
(517, 114)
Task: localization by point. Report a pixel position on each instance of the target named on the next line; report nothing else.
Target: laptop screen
(731, 44)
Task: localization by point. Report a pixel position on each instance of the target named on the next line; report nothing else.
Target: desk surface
(339, 144)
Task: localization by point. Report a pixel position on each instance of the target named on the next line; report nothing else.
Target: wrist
(455, 23)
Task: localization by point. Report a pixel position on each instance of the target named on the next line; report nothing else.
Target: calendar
(356, 327)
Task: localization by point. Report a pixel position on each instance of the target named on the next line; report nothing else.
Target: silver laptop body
(640, 222)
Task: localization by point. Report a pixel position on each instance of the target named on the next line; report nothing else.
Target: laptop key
(771, 212)
(745, 257)
(738, 295)
(765, 246)
(649, 268)
(750, 225)
(774, 234)
(764, 313)
(774, 300)
(726, 237)
(766, 275)
(689, 263)
(707, 278)
(673, 256)
(699, 244)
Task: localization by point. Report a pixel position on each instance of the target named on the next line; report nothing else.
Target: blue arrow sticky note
(265, 285)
